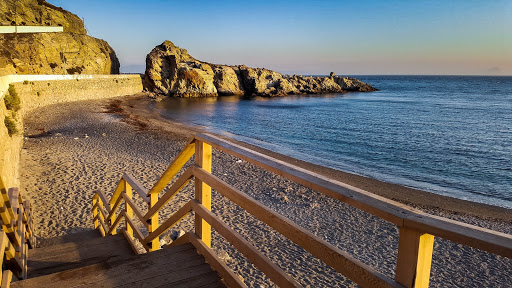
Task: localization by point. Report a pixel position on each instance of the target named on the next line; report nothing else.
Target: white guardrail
(9, 79)
(30, 29)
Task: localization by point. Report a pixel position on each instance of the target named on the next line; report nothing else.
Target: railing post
(414, 258)
(128, 209)
(113, 218)
(95, 211)
(203, 192)
(153, 223)
(100, 206)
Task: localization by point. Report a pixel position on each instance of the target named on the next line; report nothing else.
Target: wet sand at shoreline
(74, 149)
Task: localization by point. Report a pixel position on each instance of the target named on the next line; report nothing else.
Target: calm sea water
(450, 135)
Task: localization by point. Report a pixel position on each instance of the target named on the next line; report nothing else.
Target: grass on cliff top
(10, 124)
(12, 100)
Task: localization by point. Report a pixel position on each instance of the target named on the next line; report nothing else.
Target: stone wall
(10, 148)
(40, 90)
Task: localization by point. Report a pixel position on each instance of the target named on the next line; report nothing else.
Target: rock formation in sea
(68, 52)
(171, 71)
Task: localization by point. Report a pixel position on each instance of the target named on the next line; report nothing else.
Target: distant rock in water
(171, 71)
(68, 52)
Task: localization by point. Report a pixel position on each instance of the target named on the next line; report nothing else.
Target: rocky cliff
(38, 13)
(56, 53)
(171, 71)
(71, 52)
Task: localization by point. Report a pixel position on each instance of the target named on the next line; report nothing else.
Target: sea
(450, 135)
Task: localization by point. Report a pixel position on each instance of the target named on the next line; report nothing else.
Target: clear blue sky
(313, 37)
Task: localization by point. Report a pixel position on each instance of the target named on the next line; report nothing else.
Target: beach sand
(73, 149)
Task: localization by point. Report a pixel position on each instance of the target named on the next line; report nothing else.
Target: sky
(351, 37)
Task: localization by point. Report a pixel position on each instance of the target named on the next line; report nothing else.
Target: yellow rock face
(38, 13)
(71, 52)
(194, 82)
(56, 53)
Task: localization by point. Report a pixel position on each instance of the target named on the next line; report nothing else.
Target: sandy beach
(71, 150)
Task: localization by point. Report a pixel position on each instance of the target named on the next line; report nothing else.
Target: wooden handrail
(114, 208)
(103, 199)
(16, 234)
(176, 217)
(135, 209)
(101, 210)
(143, 193)
(175, 188)
(175, 167)
(397, 213)
(136, 230)
(227, 274)
(417, 229)
(276, 274)
(332, 256)
(379, 206)
(117, 192)
(127, 178)
(114, 225)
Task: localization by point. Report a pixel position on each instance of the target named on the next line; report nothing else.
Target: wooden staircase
(88, 260)
(93, 261)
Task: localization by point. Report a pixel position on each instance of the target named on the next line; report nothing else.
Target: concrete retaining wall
(40, 90)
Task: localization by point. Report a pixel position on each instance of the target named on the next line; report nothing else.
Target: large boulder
(162, 66)
(227, 81)
(171, 71)
(68, 52)
(195, 80)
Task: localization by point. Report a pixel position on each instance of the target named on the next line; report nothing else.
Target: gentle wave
(450, 135)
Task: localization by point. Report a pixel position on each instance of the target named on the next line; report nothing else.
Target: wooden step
(74, 237)
(56, 258)
(179, 266)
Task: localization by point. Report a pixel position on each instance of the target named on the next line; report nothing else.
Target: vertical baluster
(119, 192)
(3, 244)
(114, 217)
(203, 192)
(102, 227)
(95, 210)
(153, 223)
(128, 209)
(414, 258)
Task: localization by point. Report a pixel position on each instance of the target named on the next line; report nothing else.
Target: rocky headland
(68, 52)
(171, 71)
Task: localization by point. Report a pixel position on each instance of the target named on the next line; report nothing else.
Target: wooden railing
(416, 238)
(16, 235)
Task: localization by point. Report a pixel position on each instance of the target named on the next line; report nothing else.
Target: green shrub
(10, 124)
(12, 100)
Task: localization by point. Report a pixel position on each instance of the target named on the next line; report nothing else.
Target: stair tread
(73, 237)
(74, 255)
(43, 252)
(179, 266)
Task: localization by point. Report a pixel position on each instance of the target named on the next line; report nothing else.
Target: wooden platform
(110, 262)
